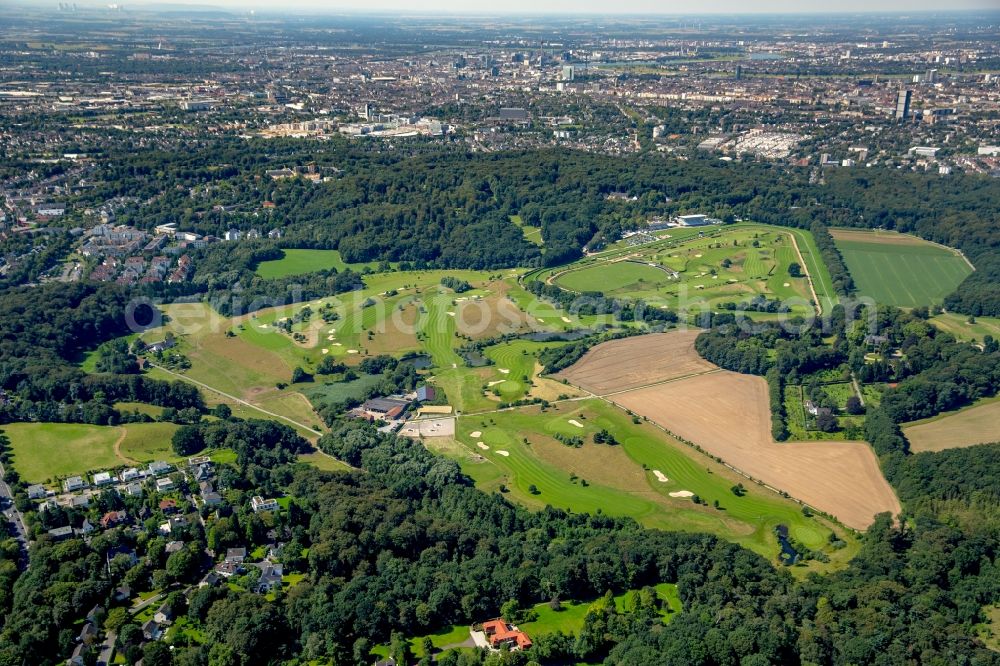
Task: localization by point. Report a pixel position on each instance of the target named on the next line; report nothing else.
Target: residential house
(102, 479)
(159, 467)
(237, 555)
(112, 518)
(499, 633)
(37, 491)
(271, 576)
(259, 504)
(164, 485)
(134, 489)
(60, 533)
(130, 474)
(151, 631)
(88, 634)
(73, 483)
(164, 614)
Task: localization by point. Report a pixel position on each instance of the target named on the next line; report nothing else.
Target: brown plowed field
(727, 415)
(637, 361)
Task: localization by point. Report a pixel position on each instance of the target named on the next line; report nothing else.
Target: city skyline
(581, 7)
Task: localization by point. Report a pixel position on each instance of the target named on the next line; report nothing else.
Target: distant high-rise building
(567, 73)
(903, 104)
(931, 76)
(739, 72)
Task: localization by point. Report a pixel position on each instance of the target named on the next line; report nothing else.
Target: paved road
(13, 515)
(107, 650)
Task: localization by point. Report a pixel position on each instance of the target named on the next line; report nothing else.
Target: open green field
(531, 234)
(300, 262)
(620, 480)
(47, 451)
(896, 269)
(700, 269)
(962, 328)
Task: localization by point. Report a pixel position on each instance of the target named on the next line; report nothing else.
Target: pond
(788, 555)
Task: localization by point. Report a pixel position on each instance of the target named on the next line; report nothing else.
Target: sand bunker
(660, 476)
(499, 381)
(482, 446)
(682, 493)
(567, 320)
(574, 422)
(503, 453)
(787, 284)
(504, 371)
(475, 434)
(325, 351)
(352, 351)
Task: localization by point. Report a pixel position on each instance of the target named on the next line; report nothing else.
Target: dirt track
(727, 415)
(638, 361)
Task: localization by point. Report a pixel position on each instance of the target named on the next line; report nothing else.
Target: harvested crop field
(968, 427)
(629, 363)
(726, 414)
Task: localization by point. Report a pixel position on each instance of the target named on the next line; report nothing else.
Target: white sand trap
(330, 337)
(475, 434)
(567, 320)
(262, 326)
(482, 446)
(715, 277)
(499, 381)
(450, 314)
(337, 344)
(504, 371)
(352, 351)
(660, 476)
(539, 320)
(682, 493)
(326, 351)
(574, 422)
(459, 300)
(787, 284)
(697, 256)
(332, 331)
(503, 453)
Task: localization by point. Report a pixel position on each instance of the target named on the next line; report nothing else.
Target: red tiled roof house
(499, 633)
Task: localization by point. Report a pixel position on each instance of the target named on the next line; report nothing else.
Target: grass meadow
(900, 270)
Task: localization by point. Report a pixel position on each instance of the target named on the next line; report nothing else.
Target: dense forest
(436, 205)
(44, 332)
(406, 541)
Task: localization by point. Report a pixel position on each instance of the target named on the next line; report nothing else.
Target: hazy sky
(595, 6)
